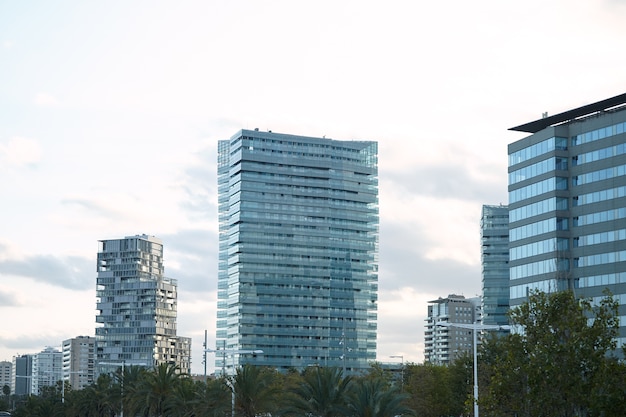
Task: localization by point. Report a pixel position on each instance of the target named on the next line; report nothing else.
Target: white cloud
(7, 44)
(46, 100)
(19, 151)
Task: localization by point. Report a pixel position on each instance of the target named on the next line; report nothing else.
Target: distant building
(494, 243)
(5, 373)
(444, 344)
(47, 369)
(22, 374)
(137, 307)
(298, 248)
(79, 356)
(567, 204)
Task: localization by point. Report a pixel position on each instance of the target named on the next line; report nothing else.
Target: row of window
(541, 167)
(538, 268)
(599, 154)
(600, 259)
(605, 279)
(599, 217)
(538, 188)
(540, 207)
(537, 149)
(597, 238)
(521, 291)
(600, 175)
(538, 248)
(537, 228)
(601, 195)
(597, 134)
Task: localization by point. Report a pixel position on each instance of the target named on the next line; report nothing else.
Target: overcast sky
(110, 112)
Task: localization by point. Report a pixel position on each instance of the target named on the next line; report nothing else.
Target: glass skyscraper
(494, 243)
(567, 204)
(298, 245)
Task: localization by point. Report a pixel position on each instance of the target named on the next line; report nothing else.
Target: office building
(442, 345)
(136, 306)
(22, 374)
(298, 243)
(494, 244)
(567, 204)
(79, 356)
(5, 373)
(47, 369)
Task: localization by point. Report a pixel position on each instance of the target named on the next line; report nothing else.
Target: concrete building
(137, 307)
(5, 373)
(79, 357)
(567, 204)
(442, 345)
(298, 244)
(494, 243)
(47, 369)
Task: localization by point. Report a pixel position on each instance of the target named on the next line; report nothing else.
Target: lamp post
(233, 352)
(474, 327)
(63, 382)
(122, 363)
(401, 357)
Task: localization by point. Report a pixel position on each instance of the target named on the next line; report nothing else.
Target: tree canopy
(559, 362)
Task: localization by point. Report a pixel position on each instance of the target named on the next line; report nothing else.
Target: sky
(110, 113)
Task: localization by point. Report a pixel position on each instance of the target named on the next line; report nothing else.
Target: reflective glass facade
(298, 244)
(567, 189)
(494, 242)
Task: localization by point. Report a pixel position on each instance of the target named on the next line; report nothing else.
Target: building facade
(442, 345)
(494, 244)
(47, 369)
(79, 357)
(6, 368)
(298, 244)
(22, 374)
(137, 307)
(567, 204)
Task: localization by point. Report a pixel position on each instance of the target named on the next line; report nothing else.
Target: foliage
(376, 398)
(560, 364)
(254, 390)
(436, 390)
(259, 391)
(323, 392)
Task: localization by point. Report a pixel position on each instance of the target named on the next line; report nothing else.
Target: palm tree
(183, 399)
(151, 394)
(96, 400)
(375, 398)
(213, 399)
(254, 391)
(322, 393)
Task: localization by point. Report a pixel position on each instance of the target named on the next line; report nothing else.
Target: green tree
(323, 392)
(151, 393)
(254, 390)
(213, 399)
(96, 400)
(376, 398)
(560, 364)
(438, 390)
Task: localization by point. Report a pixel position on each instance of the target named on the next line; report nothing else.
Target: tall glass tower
(136, 307)
(567, 204)
(494, 243)
(298, 245)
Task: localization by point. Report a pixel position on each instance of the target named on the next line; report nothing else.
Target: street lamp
(401, 357)
(474, 327)
(122, 363)
(233, 352)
